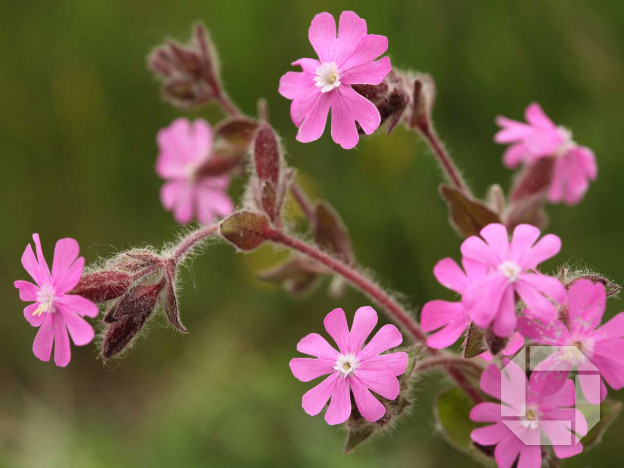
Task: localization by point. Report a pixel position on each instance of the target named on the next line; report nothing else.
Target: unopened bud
(102, 286)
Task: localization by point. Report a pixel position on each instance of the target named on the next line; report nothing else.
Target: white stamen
(45, 299)
(532, 420)
(511, 270)
(327, 77)
(346, 364)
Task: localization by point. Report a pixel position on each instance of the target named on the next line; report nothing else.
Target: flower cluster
(504, 302)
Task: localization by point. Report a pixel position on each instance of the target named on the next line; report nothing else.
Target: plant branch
(192, 239)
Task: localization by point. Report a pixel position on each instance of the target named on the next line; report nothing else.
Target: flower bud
(170, 300)
(189, 72)
(128, 316)
(246, 230)
(103, 285)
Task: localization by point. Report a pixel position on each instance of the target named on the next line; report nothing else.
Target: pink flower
(184, 147)
(451, 318)
(352, 368)
(344, 60)
(515, 344)
(574, 166)
(586, 344)
(491, 300)
(54, 311)
(523, 416)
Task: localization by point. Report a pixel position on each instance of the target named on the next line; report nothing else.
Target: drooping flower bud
(128, 316)
(190, 73)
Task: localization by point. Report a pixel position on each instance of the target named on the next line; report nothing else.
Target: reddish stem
(444, 158)
(193, 239)
(304, 202)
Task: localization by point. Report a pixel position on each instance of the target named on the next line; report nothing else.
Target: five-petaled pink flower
(585, 344)
(451, 318)
(54, 311)
(524, 416)
(351, 368)
(184, 147)
(344, 60)
(512, 270)
(573, 167)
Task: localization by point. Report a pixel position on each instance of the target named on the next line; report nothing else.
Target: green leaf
(467, 215)
(452, 412)
(609, 410)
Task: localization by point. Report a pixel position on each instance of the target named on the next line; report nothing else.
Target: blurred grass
(77, 124)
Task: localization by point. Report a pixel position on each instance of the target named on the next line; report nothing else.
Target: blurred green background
(77, 137)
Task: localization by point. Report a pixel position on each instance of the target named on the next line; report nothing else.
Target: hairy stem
(445, 160)
(303, 201)
(192, 239)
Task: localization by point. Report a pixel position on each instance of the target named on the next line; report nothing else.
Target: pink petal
(364, 322)
(62, 350)
(351, 30)
(587, 161)
(322, 36)
(609, 358)
(438, 313)
(547, 247)
(490, 381)
(302, 105)
(29, 262)
(551, 333)
(537, 305)
(336, 325)
(505, 321)
(315, 345)
(475, 249)
(516, 342)
(306, 369)
(212, 202)
(586, 305)
(42, 346)
(484, 299)
(314, 122)
(315, 399)
(80, 331)
(393, 363)
(614, 328)
(592, 387)
(565, 395)
(372, 73)
(44, 271)
(34, 320)
(474, 270)
(511, 131)
(366, 403)
(524, 236)
(548, 285)
(339, 408)
(450, 275)
(536, 116)
(387, 337)
(347, 108)
(447, 335)
(489, 435)
(74, 304)
(368, 49)
(496, 236)
(530, 457)
(486, 412)
(294, 84)
(380, 382)
(507, 450)
(514, 155)
(65, 254)
(178, 197)
(27, 290)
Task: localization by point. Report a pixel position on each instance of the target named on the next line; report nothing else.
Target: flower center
(346, 364)
(531, 419)
(327, 77)
(45, 299)
(511, 270)
(578, 350)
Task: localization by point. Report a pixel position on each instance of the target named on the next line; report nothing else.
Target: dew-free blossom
(585, 343)
(353, 368)
(524, 416)
(573, 166)
(344, 60)
(512, 270)
(184, 146)
(53, 310)
(451, 318)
